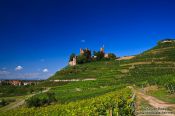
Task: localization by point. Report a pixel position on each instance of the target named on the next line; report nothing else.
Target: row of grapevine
(111, 104)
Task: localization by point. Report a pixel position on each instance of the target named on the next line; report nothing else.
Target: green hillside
(98, 78)
(158, 61)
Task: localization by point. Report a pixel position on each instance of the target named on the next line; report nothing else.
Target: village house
(15, 82)
(18, 82)
(27, 83)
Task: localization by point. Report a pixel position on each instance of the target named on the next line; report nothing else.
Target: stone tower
(102, 49)
(81, 51)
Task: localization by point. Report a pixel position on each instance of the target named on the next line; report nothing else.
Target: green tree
(111, 56)
(81, 59)
(87, 54)
(99, 55)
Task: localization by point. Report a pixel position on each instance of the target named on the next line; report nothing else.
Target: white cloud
(18, 68)
(83, 41)
(45, 70)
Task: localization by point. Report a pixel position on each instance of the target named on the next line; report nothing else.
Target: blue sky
(37, 36)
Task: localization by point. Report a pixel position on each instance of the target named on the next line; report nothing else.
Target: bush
(51, 97)
(37, 101)
(3, 102)
(33, 101)
(111, 56)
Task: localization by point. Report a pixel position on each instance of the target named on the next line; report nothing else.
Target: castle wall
(74, 62)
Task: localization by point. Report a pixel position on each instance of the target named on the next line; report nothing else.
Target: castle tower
(81, 51)
(102, 49)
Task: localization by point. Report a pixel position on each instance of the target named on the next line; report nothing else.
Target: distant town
(19, 82)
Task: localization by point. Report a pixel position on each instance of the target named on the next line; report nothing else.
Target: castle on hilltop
(82, 52)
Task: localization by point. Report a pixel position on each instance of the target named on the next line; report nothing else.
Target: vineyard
(107, 77)
(114, 103)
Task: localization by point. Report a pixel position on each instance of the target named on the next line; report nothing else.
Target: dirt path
(160, 106)
(20, 101)
(154, 101)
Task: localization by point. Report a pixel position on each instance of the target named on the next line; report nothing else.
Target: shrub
(3, 102)
(37, 100)
(33, 101)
